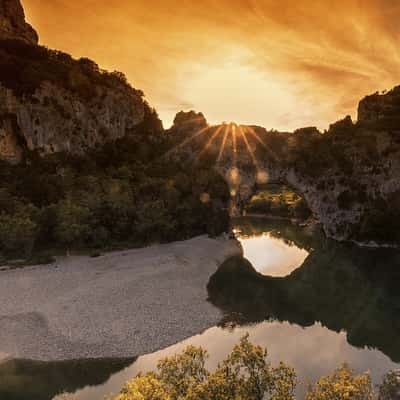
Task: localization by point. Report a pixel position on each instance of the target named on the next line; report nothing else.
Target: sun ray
(188, 140)
(221, 150)
(249, 149)
(234, 144)
(252, 132)
(209, 143)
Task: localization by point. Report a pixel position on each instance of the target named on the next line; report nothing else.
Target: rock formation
(349, 176)
(380, 107)
(13, 24)
(54, 119)
(50, 102)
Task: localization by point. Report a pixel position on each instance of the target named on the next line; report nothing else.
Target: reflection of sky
(272, 256)
(312, 351)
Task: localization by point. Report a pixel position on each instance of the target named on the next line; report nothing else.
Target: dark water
(314, 304)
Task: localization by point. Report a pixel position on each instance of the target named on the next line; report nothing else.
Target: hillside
(348, 175)
(50, 102)
(52, 105)
(81, 160)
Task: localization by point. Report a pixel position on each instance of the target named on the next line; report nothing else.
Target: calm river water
(314, 306)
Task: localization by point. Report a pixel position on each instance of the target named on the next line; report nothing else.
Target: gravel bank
(119, 305)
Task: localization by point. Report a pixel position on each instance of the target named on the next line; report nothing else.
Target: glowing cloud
(281, 64)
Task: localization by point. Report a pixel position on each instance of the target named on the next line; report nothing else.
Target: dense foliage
(278, 200)
(125, 193)
(24, 67)
(246, 374)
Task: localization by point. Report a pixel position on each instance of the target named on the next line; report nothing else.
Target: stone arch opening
(266, 193)
(276, 199)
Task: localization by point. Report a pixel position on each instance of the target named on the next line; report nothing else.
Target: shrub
(342, 384)
(18, 232)
(245, 374)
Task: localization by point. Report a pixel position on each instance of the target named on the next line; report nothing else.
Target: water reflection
(342, 304)
(343, 287)
(312, 351)
(271, 256)
(28, 380)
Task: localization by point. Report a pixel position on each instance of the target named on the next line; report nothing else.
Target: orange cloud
(281, 64)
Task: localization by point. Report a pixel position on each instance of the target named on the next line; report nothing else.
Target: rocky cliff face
(50, 102)
(380, 107)
(54, 119)
(349, 176)
(13, 24)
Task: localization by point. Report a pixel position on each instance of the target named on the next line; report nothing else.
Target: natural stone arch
(330, 171)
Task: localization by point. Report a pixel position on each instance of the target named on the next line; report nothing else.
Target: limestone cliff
(54, 119)
(380, 107)
(349, 176)
(50, 102)
(13, 24)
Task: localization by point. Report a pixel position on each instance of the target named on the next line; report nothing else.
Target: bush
(245, 374)
(342, 384)
(18, 232)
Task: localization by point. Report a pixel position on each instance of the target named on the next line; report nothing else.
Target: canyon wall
(50, 102)
(349, 175)
(13, 24)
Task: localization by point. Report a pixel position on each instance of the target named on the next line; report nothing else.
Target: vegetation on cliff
(24, 67)
(124, 193)
(277, 200)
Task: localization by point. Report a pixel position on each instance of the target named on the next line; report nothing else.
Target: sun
(237, 134)
(234, 90)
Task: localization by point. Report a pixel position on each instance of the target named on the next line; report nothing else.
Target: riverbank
(118, 305)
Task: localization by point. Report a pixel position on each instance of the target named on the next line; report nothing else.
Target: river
(315, 305)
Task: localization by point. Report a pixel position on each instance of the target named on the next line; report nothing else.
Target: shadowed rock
(44, 381)
(13, 24)
(342, 287)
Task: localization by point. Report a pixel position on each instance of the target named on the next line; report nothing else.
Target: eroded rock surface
(13, 24)
(349, 175)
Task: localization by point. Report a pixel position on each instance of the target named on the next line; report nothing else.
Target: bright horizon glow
(282, 65)
(236, 91)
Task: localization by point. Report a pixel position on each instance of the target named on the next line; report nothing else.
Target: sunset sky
(281, 64)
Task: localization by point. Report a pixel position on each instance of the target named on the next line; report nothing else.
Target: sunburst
(222, 148)
(209, 142)
(253, 133)
(234, 144)
(249, 149)
(236, 133)
(188, 140)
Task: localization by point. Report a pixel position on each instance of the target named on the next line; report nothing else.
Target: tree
(244, 375)
(18, 231)
(342, 385)
(390, 387)
(72, 224)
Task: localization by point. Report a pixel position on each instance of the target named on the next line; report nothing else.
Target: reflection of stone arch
(343, 287)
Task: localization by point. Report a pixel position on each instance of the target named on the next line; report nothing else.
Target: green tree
(244, 375)
(342, 385)
(72, 224)
(18, 231)
(390, 387)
